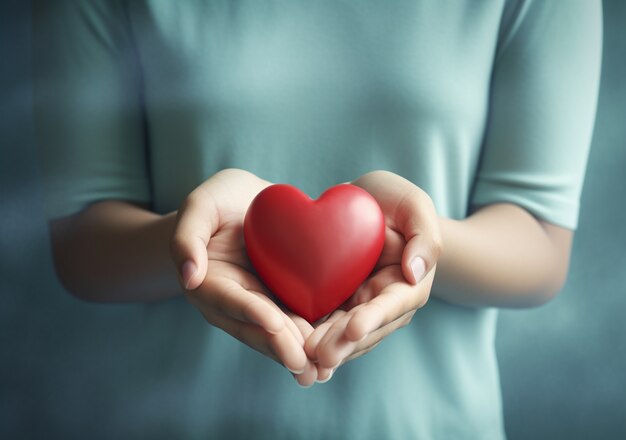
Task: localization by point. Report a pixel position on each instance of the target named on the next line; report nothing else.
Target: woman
(148, 113)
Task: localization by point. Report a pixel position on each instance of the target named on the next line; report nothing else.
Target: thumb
(196, 220)
(419, 223)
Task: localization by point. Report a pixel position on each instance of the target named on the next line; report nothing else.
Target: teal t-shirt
(476, 102)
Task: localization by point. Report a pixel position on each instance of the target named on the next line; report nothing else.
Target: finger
(393, 301)
(417, 220)
(334, 347)
(376, 337)
(360, 353)
(281, 346)
(313, 340)
(325, 374)
(300, 327)
(308, 377)
(392, 250)
(252, 335)
(300, 330)
(227, 297)
(197, 220)
(285, 346)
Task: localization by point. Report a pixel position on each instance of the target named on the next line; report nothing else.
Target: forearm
(501, 256)
(116, 252)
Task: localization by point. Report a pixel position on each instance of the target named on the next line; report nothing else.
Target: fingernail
(328, 378)
(295, 371)
(188, 271)
(418, 267)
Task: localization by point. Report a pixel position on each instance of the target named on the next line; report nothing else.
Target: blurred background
(563, 366)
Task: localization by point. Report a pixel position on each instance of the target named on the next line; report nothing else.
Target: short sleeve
(542, 108)
(87, 105)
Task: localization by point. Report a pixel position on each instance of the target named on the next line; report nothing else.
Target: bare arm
(115, 251)
(501, 256)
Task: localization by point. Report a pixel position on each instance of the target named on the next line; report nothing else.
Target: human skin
(500, 255)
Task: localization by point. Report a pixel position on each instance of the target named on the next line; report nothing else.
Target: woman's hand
(208, 249)
(400, 283)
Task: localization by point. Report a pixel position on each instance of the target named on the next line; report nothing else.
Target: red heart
(314, 254)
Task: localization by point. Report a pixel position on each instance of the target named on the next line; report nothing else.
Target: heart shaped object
(314, 254)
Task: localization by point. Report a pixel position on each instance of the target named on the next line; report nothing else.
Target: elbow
(541, 297)
(66, 265)
(66, 277)
(548, 290)
(553, 270)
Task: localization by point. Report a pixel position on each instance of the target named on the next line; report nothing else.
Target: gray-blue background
(563, 366)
